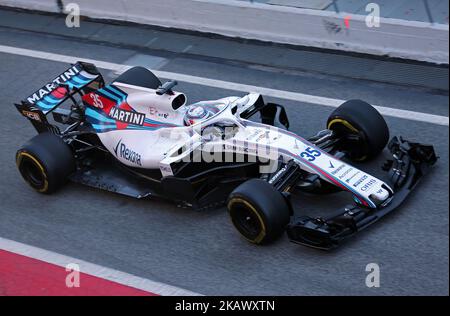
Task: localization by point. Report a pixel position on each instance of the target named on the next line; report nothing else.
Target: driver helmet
(195, 113)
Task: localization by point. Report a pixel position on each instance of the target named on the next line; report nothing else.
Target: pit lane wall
(313, 28)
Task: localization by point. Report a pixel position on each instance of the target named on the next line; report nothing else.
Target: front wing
(409, 163)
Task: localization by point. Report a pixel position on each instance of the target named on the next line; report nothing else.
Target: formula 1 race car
(138, 137)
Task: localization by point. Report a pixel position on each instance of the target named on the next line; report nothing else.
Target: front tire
(258, 211)
(362, 129)
(45, 162)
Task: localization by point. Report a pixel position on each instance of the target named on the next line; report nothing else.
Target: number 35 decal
(310, 154)
(97, 102)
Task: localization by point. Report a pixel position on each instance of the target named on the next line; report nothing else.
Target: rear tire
(45, 162)
(139, 76)
(258, 211)
(359, 118)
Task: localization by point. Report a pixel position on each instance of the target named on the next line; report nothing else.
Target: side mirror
(275, 115)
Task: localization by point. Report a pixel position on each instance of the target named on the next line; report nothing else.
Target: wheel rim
(32, 172)
(247, 221)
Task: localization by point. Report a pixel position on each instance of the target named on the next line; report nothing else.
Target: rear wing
(80, 78)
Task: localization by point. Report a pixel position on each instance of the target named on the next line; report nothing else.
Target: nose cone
(380, 196)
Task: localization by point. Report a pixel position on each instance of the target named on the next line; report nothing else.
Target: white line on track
(93, 269)
(281, 94)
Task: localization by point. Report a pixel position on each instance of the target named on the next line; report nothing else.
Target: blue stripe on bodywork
(79, 81)
(150, 121)
(103, 126)
(94, 114)
(44, 105)
(122, 95)
(50, 100)
(110, 95)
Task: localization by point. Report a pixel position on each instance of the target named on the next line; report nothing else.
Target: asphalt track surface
(200, 251)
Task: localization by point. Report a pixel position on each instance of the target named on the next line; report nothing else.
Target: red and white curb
(27, 270)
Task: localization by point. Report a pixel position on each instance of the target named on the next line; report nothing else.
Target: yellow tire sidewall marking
(262, 234)
(28, 155)
(343, 122)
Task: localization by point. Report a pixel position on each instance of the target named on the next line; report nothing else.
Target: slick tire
(45, 162)
(258, 211)
(363, 130)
